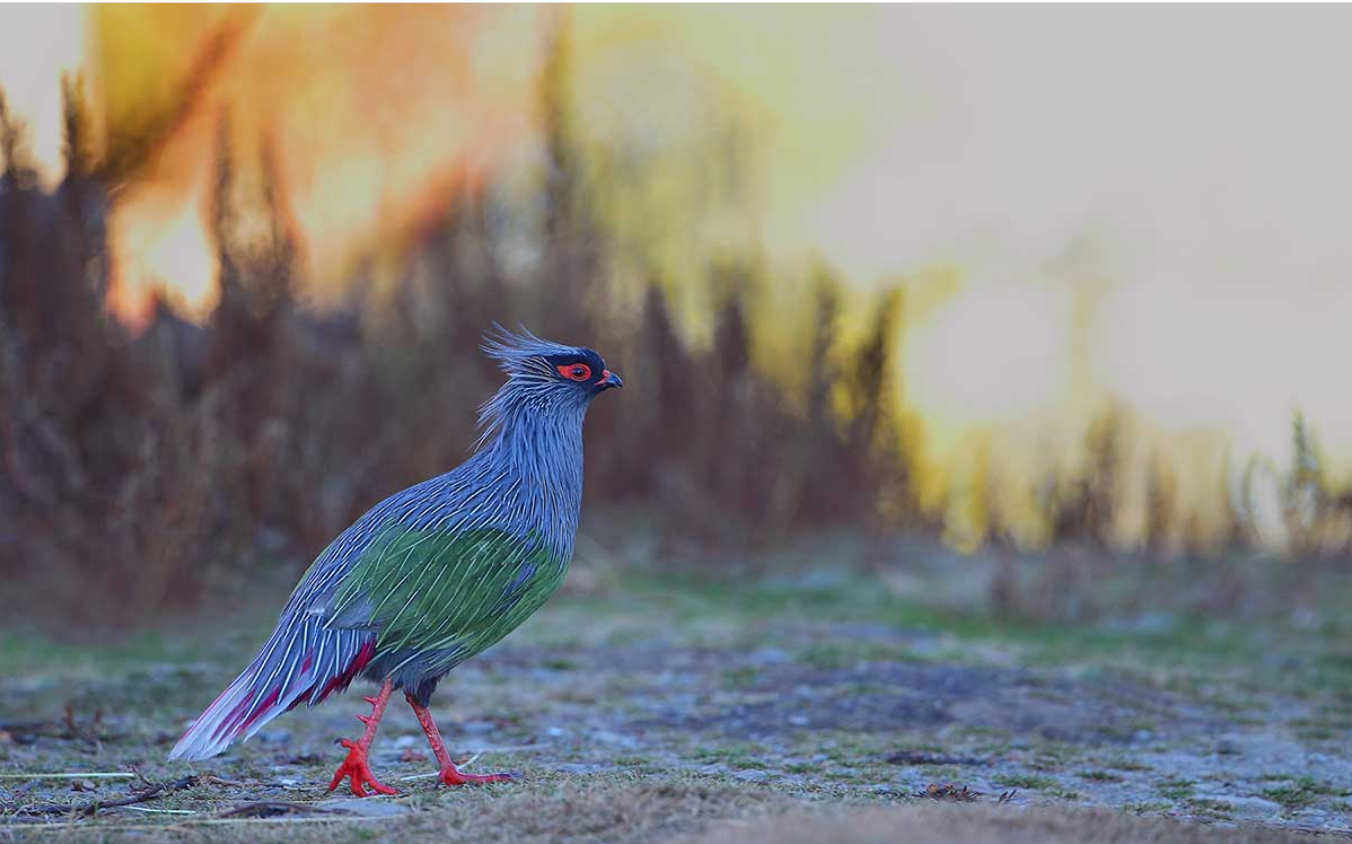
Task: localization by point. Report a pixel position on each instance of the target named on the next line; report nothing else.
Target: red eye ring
(575, 371)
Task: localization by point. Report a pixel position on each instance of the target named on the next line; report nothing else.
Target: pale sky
(1196, 158)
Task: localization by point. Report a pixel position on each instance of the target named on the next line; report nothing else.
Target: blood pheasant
(434, 574)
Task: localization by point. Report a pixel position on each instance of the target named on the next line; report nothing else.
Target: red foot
(358, 768)
(450, 775)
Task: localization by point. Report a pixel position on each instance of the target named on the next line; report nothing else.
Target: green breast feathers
(445, 589)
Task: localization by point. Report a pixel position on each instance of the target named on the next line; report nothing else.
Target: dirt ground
(648, 708)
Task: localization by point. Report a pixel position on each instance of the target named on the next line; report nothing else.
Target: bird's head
(546, 374)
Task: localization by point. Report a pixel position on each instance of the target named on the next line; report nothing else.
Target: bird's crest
(524, 357)
(521, 355)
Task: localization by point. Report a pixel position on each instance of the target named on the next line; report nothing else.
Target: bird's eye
(575, 372)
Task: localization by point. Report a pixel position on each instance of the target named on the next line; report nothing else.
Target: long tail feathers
(301, 663)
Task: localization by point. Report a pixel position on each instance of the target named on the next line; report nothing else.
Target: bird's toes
(455, 778)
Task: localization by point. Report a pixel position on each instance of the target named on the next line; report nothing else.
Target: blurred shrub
(143, 472)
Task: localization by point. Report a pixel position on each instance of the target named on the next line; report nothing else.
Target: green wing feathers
(445, 589)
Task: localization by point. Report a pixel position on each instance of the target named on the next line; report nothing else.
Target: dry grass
(609, 811)
(587, 810)
(979, 824)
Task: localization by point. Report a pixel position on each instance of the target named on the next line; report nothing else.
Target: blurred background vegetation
(247, 255)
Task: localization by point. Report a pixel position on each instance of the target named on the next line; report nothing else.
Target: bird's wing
(429, 588)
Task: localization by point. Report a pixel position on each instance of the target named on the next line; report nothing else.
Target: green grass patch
(1030, 782)
(1210, 809)
(1176, 788)
(1299, 793)
(740, 678)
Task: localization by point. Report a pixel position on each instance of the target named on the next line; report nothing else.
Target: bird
(434, 574)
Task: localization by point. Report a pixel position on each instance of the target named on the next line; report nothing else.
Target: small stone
(752, 775)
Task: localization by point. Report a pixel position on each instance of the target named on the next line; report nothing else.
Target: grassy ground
(649, 707)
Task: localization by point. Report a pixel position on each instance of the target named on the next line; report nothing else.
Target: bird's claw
(358, 768)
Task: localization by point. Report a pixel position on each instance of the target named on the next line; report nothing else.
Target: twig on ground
(155, 791)
(24, 726)
(212, 779)
(961, 794)
(145, 781)
(71, 775)
(25, 732)
(949, 791)
(275, 808)
(90, 732)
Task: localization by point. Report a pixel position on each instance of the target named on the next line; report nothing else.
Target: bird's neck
(543, 449)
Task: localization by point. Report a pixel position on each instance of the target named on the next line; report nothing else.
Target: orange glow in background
(372, 116)
(1071, 224)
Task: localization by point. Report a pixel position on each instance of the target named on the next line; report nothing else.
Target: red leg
(450, 775)
(356, 765)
